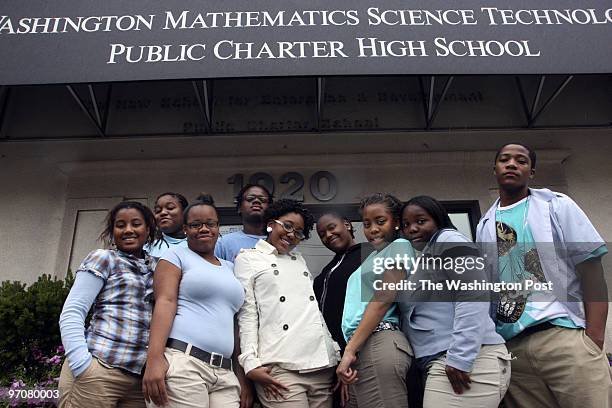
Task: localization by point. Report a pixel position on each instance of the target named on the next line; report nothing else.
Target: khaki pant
(490, 377)
(558, 367)
(99, 387)
(306, 390)
(193, 383)
(382, 366)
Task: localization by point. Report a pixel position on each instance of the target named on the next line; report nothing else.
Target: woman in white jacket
(286, 347)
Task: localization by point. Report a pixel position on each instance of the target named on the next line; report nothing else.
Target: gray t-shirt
(209, 297)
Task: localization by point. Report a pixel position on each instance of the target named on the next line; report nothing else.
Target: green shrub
(30, 345)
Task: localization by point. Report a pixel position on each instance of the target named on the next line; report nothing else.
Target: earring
(396, 228)
(348, 228)
(269, 230)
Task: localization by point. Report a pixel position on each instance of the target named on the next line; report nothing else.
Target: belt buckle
(216, 357)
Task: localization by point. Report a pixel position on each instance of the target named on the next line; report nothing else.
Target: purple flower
(36, 402)
(55, 360)
(60, 349)
(37, 354)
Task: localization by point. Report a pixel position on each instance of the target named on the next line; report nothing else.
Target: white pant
(306, 390)
(193, 383)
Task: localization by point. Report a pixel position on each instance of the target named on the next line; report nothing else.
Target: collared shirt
(118, 333)
(280, 322)
(228, 246)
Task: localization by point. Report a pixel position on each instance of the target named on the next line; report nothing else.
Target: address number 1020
(322, 184)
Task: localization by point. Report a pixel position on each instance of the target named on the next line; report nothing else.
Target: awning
(43, 42)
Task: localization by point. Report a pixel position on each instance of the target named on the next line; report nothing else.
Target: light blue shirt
(458, 327)
(229, 246)
(209, 296)
(360, 288)
(160, 246)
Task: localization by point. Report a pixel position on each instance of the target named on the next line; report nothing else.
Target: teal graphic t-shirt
(519, 261)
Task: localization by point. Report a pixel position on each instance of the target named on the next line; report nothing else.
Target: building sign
(85, 41)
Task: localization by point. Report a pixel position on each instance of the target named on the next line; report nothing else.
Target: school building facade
(82, 129)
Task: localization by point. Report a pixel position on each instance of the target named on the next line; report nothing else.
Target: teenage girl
(168, 210)
(105, 360)
(376, 348)
(454, 340)
(287, 350)
(193, 335)
(337, 234)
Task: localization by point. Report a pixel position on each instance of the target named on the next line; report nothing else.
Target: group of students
(183, 317)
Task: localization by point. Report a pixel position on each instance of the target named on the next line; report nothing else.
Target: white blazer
(280, 322)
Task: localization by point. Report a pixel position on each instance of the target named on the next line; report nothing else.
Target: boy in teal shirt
(556, 336)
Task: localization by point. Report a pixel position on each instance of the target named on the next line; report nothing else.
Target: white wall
(32, 212)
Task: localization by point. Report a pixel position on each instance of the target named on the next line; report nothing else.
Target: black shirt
(330, 287)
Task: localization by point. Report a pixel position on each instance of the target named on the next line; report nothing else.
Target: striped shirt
(118, 333)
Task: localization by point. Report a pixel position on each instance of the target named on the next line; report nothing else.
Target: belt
(380, 327)
(537, 328)
(385, 326)
(213, 359)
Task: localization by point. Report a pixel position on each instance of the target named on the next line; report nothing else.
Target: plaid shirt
(118, 333)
